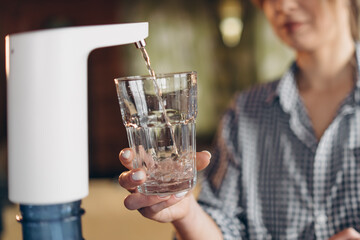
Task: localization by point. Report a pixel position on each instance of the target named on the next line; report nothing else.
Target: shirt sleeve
(220, 194)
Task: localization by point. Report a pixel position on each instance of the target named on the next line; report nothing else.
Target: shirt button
(321, 219)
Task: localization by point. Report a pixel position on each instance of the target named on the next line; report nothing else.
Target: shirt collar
(287, 90)
(357, 84)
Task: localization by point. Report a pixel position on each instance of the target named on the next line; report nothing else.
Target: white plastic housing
(47, 109)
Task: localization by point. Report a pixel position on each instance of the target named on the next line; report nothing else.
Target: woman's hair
(257, 3)
(354, 19)
(354, 16)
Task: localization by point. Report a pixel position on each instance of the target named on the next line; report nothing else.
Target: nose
(285, 6)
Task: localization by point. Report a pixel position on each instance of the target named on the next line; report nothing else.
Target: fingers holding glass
(131, 179)
(126, 157)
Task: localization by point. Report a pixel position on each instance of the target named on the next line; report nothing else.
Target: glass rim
(148, 77)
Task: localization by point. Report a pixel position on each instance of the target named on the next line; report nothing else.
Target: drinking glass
(159, 115)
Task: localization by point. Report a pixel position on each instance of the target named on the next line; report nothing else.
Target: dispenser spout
(48, 108)
(48, 122)
(140, 44)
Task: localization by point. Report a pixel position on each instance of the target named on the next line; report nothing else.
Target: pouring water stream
(141, 45)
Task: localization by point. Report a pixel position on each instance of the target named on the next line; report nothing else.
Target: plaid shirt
(271, 179)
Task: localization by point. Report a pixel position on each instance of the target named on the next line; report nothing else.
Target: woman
(286, 162)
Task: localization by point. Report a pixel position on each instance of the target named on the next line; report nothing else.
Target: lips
(292, 26)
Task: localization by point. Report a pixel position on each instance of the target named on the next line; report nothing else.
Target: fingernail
(137, 176)
(207, 153)
(181, 194)
(126, 154)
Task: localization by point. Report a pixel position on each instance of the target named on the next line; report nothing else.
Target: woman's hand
(347, 234)
(158, 208)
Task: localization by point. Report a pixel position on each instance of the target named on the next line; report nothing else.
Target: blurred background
(228, 42)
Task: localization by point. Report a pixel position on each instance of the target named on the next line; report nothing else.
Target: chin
(302, 44)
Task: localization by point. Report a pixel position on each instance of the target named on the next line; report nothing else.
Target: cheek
(312, 35)
(325, 28)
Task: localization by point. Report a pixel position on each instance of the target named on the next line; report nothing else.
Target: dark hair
(354, 19)
(354, 16)
(257, 3)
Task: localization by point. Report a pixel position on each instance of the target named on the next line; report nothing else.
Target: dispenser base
(51, 222)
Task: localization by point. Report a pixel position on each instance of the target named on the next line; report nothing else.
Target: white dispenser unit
(47, 109)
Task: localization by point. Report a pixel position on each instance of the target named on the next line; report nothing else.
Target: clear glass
(162, 135)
